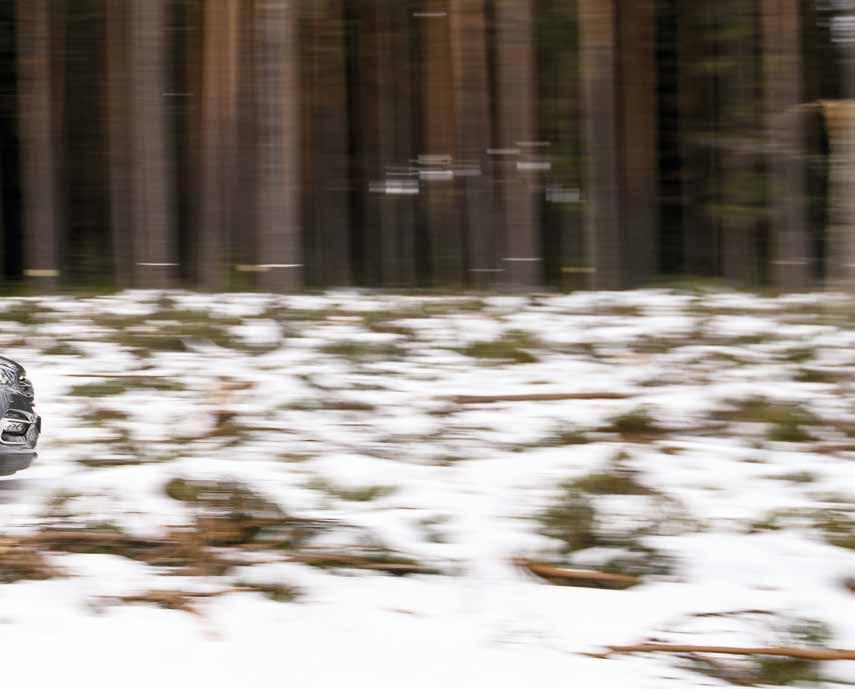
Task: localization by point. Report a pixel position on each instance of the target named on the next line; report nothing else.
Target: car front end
(20, 426)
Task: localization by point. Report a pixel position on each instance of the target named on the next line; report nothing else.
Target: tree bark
(153, 212)
(698, 159)
(603, 196)
(218, 142)
(840, 119)
(515, 76)
(738, 202)
(327, 210)
(439, 196)
(473, 136)
(279, 241)
(638, 140)
(118, 127)
(791, 253)
(38, 122)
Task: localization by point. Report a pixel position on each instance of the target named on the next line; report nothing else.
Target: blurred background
(239, 144)
(509, 330)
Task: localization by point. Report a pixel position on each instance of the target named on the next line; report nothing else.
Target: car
(20, 426)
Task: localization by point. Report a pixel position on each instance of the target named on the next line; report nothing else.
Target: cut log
(780, 651)
(579, 575)
(537, 397)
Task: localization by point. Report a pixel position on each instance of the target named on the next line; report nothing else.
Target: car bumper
(12, 460)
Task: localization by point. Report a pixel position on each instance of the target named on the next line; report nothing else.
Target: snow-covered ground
(338, 408)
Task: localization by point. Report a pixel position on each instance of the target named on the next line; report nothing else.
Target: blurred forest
(287, 144)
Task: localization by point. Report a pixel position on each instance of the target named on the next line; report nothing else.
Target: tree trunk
(698, 104)
(840, 118)
(385, 108)
(118, 116)
(515, 77)
(637, 99)
(37, 122)
(791, 252)
(439, 194)
(474, 134)
(327, 210)
(739, 203)
(153, 212)
(218, 142)
(279, 241)
(603, 195)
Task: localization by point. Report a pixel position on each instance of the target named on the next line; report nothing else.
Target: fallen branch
(780, 651)
(537, 397)
(357, 562)
(580, 575)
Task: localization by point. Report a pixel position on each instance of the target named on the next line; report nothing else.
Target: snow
(465, 482)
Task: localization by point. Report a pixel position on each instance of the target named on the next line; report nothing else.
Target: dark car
(20, 426)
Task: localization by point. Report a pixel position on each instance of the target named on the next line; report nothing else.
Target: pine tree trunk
(840, 119)
(791, 262)
(218, 142)
(474, 134)
(439, 197)
(637, 98)
(739, 119)
(118, 115)
(603, 196)
(699, 164)
(515, 77)
(327, 210)
(38, 122)
(279, 241)
(153, 212)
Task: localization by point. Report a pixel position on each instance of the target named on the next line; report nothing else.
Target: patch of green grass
(786, 420)
(610, 483)
(105, 388)
(814, 375)
(60, 348)
(763, 410)
(636, 423)
(796, 477)
(514, 346)
(356, 350)
(24, 313)
(358, 494)
(571, 520)
(798, 355)
(117, 386)
(281, 593)
(836, 525)
(100, 416)
(563, 438)
(789, 432)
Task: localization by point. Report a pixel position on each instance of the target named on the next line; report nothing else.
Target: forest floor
(372, 489)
